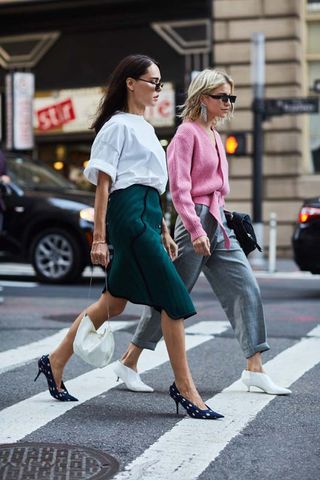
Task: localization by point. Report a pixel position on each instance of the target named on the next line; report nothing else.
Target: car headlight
(87, 214)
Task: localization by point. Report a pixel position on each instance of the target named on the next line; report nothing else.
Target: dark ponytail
(116, 96)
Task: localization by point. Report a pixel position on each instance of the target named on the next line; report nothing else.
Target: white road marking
(297, 275)
(207, 328)
(15, 424)
(26, 269)
(186, 458)
(16, 357)
(16, 269)
(11, 283)
(288, 275)
(315, 332)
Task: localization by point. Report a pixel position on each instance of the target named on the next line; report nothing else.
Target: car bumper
(306, 248)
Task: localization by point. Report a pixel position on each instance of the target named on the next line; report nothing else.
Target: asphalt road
(261, 436)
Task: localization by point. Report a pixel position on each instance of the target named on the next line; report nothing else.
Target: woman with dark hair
(128, 166)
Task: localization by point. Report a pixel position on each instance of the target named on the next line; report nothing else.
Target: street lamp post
(257, 80)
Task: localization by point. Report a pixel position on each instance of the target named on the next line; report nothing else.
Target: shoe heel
(192, 410)
(45, 368)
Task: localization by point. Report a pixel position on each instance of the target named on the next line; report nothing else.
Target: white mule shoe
(130, 378)
(263, 381)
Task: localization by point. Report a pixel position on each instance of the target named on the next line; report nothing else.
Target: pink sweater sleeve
(179, 167)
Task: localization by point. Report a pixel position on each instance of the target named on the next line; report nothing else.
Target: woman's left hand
(170, 245)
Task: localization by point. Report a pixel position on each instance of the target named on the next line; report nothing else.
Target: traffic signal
(236, 144)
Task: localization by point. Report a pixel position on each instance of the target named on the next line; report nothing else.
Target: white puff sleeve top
(128, 150)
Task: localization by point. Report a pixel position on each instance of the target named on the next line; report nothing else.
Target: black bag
(242, 226)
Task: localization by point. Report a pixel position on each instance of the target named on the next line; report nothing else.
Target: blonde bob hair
(203, 84)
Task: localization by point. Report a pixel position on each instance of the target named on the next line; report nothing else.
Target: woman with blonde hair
(198, 176)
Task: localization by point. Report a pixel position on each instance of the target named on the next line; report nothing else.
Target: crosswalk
(288, 367)
(19, 356)
(182, 463)
(97, 381)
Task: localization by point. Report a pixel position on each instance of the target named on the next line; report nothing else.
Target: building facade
(291, 170)
(72, 47)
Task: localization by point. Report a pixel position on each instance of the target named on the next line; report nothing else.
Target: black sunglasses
(224, 97)
(157, 85)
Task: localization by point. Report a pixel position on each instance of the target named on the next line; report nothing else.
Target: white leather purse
(95, 347)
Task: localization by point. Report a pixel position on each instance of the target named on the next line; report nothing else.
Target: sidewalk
(26, 270)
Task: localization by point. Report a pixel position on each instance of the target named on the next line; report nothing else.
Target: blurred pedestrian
(4, 180)
(198, 176)
(128, 167)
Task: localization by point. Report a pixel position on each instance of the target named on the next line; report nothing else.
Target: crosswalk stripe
(12, 283)
(239, 408)
(15, 424)
(26, 269)
(207, 328)
(16, 357)
(315, 332)
(288, 275)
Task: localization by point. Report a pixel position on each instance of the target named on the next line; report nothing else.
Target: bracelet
(98, 242)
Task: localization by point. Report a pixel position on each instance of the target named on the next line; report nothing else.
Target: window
(313, 6)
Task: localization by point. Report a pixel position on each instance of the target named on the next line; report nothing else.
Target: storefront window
(69, 159)
(66, 114)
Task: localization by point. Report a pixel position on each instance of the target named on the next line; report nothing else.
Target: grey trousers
(230, 276)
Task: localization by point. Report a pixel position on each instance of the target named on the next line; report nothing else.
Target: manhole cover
(50, 461)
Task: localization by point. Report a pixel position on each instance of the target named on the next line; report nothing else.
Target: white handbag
(95, 347)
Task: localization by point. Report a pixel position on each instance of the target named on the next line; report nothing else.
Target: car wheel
(56, 256)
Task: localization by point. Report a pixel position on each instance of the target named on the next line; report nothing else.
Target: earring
(203, 113)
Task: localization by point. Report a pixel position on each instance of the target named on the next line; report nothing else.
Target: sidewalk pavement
(26, 270)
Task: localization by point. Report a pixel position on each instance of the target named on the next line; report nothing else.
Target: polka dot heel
(192, 410)
(45, 368)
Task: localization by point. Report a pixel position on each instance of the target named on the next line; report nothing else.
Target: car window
(32, 175)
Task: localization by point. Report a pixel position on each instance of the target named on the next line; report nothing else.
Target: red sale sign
(55, 115)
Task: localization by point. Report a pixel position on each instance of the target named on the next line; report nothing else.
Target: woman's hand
(99, 254)
(201, 246)
(170, 245)
(5, 179)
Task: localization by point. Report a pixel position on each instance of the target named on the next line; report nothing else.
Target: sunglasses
(157, 85)
(224, 97)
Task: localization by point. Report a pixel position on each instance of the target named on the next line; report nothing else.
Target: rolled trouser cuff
(142, 344)
(262, 347)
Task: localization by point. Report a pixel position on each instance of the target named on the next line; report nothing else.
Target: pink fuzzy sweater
(197, 176)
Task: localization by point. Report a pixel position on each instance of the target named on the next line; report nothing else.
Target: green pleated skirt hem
(141, 270)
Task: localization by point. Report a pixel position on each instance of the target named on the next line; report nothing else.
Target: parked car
(306, 236)
(47, 221)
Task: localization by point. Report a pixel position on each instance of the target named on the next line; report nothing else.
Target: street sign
(291, 106)
(56, 115)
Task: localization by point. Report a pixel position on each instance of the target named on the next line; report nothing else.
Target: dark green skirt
(141, 270)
